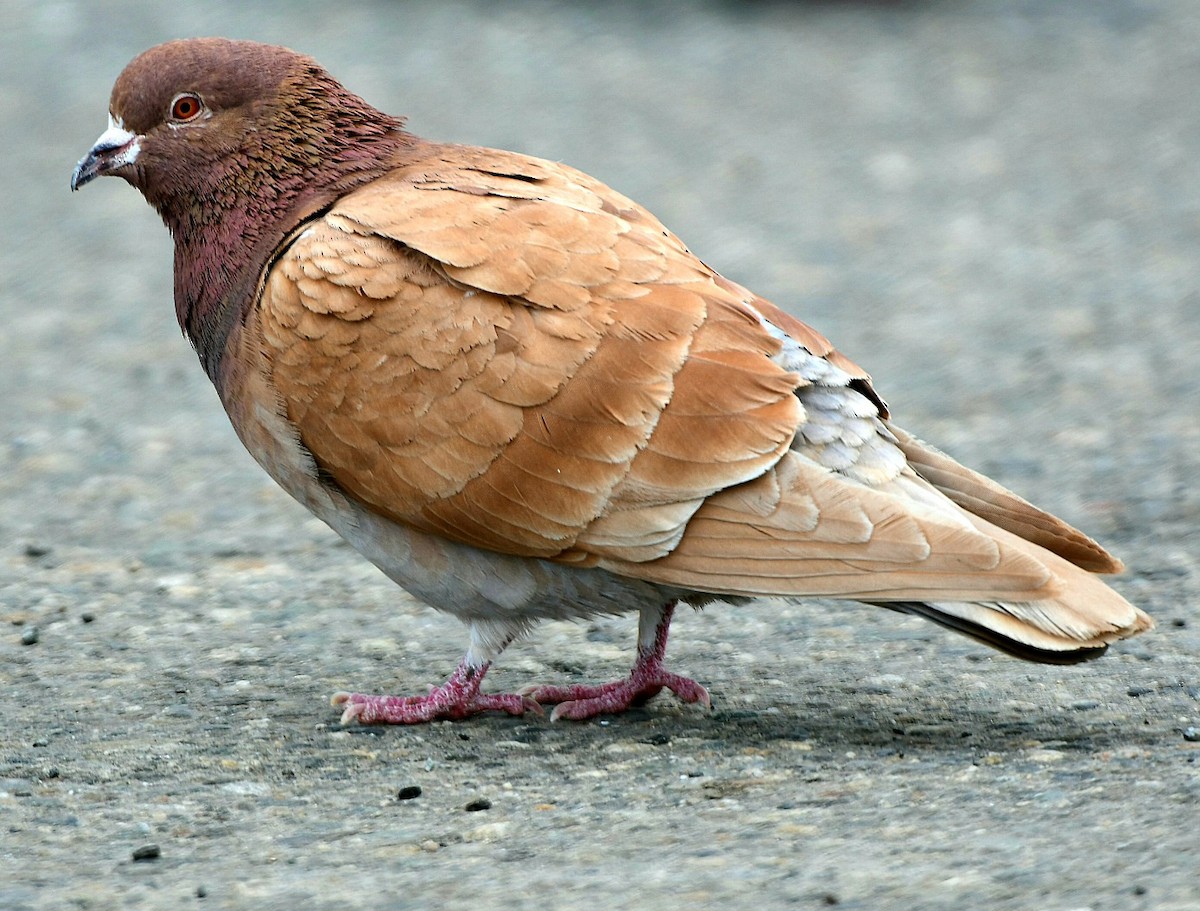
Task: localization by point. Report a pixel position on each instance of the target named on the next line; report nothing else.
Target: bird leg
(646, 679)
(457, 698)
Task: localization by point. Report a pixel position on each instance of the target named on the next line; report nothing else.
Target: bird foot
(586, 701)
(366, 709)
(457, 698)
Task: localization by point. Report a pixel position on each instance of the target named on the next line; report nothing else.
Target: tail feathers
(1076, 623)
(998, 626)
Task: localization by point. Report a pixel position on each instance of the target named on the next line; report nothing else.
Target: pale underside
(505, 353)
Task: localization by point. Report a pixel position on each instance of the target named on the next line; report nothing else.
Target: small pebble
(87, 616)
(1046, 755)
(1136, 691)
(35, 550)
(201, 892)
(489, 831)
(29, 635)
(409, 792)
(1191, 734)
(1179, 623)
(876, 689)
(147, 852)
(1085, 705)
(481, 803)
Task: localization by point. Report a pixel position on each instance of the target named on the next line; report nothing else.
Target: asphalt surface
(993, 206)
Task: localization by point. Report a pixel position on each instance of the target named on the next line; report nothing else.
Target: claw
(532, 705)
(352, 711)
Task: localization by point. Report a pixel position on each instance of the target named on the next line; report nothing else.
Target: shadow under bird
(521, 397)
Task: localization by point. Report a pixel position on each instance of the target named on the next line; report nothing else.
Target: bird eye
(186, 107)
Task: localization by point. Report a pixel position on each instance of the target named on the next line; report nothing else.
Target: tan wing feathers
(510, 244)
(801, 530)
(589, 383)
(607, 431)
(615, 409)
(375, 388)
(731, 415)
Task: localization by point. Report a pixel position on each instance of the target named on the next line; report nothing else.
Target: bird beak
(115, 149)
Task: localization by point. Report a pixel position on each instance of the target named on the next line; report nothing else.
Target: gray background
(994, 207)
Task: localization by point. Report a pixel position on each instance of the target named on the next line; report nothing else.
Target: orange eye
(186, 107)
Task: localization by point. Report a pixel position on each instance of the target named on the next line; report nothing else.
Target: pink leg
(457, 698)
(646, 679)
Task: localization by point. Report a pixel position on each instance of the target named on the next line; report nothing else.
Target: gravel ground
(993, 206)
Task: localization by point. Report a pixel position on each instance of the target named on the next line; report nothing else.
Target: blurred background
(993, 207)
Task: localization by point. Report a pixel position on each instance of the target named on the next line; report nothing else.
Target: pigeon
(522, 398)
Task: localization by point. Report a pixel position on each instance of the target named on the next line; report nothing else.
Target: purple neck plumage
(230, 221)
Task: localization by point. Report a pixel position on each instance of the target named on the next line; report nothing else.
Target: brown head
(234, 143)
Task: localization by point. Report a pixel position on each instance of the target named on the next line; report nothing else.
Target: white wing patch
(842, 430)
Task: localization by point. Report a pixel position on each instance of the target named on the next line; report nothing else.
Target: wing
(507, 353)
(489, 355)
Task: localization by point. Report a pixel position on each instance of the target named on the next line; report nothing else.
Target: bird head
(200, 124)
(234, 143)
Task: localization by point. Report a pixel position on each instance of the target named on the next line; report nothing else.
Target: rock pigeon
(522, 398)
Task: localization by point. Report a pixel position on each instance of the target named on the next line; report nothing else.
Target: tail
(1075, 625)
(980, 622)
